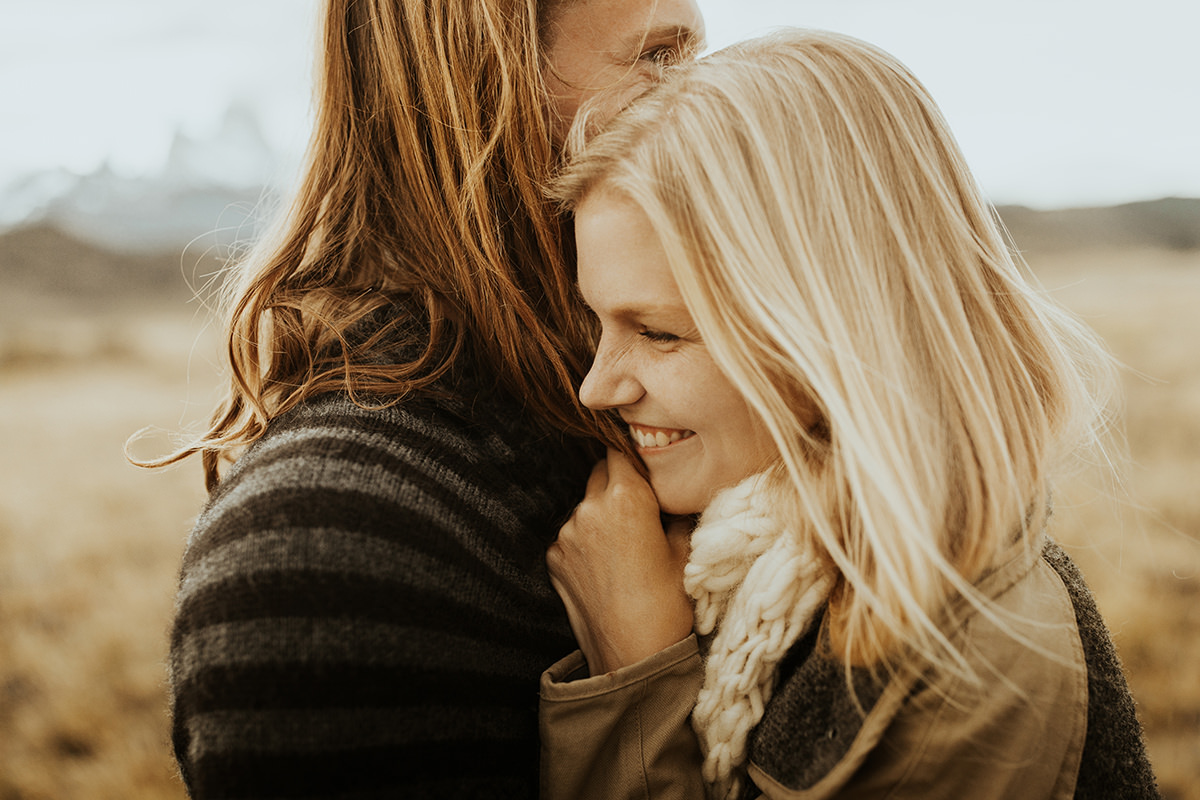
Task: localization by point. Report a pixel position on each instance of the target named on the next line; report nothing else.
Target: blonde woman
(364, 608)
(816, 337)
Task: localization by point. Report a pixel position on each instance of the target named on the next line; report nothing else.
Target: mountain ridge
(44, 257)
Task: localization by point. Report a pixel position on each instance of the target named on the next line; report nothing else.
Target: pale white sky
(1055, 102)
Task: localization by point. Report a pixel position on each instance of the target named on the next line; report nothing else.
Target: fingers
(625, 479)
(614, 468)
(620, 576)
(617, 474)
(598, 480)
(621, 467)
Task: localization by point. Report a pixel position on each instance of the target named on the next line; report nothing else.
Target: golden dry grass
(89, 546)
(1139, 545)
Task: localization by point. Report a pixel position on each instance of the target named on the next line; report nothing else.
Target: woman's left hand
(618, 572)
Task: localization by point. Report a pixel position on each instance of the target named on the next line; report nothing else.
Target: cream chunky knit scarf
(759, 586)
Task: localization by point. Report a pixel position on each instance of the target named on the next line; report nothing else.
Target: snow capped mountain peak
(210, 187)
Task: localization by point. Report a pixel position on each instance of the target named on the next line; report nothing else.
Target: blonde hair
(424, 179)
(835, 252)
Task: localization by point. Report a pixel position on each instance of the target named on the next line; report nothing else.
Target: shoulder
(334, 428)
(394, 517)
(1115, 763)
(330, 464)
(336, 501)
(333, 459)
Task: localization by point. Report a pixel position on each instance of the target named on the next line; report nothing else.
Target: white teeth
(649, 439)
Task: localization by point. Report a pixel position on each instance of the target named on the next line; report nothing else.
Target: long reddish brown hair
(424, 180)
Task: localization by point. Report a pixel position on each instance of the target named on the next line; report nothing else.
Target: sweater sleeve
(364, 612)
(626, 734)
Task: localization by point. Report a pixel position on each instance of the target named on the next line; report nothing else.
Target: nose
(609, 383)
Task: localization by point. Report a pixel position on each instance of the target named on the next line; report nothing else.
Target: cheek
(620, 87)
(745, 446)
(738, 435)
(760, 450)
(603, 91)
(561, 98)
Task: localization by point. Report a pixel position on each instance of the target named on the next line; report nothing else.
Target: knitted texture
(759, 586)
(364, 609)
(1115, 763)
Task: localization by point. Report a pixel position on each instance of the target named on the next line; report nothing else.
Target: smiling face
(614, 47)
(692, 428)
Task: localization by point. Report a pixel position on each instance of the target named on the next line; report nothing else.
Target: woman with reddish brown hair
(364, 609)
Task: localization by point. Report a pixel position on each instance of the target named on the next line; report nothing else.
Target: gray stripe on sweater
(364, 419)
(348, 553)
(343, 475)
(276, 640)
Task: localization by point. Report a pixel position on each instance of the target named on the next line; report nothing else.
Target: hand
(619, 574)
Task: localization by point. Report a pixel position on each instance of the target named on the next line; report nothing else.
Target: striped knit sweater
(364, 609)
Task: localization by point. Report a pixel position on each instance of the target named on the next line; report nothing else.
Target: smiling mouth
(650, 438)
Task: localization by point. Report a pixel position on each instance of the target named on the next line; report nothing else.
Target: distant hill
(43, 259)
(1169, 224)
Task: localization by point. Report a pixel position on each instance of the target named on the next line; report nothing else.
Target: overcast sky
(1055, 102)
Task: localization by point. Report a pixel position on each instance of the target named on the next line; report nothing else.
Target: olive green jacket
(1053, 717)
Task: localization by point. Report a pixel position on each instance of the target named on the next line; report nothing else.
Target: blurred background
(144, 144)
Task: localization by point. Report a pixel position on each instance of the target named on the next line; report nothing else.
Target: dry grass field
(89, 545)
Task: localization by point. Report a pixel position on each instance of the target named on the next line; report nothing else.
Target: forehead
(622, 262)
(624, 24)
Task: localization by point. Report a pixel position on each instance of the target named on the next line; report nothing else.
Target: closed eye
(658, 336)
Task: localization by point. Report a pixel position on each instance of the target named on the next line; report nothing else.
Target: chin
(682, 501)
(680, 504)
